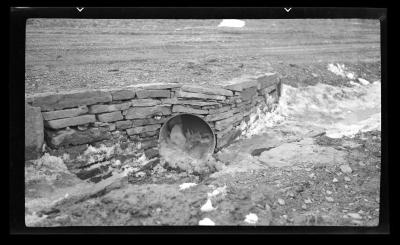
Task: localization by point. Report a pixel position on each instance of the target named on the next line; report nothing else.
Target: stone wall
(136, 113)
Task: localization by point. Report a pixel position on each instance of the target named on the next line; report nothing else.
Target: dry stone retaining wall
(136, 113)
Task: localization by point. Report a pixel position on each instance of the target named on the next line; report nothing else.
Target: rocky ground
(338, 192)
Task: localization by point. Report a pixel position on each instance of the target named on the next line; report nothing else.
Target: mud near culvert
(339, 111)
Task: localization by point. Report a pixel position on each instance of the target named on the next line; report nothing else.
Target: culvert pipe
(186, 134)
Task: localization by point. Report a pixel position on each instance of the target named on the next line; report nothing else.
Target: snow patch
(340, 111)
(207, 207)
(251, 218)
(186, 186)
(232, 23)
(340, 70)
(206, 221)
(363, 81)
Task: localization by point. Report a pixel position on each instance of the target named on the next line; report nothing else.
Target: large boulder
(34, 134)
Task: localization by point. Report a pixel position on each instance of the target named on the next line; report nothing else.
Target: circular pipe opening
(186, 135)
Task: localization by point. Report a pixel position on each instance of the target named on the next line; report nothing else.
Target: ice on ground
(207, 207)
(186, 186)
(251, 218)
(363, 81)
(206, 221)
(340, 111)
(340, 70)
(232, 23)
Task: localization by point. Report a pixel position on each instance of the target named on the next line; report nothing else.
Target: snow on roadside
(340, 70)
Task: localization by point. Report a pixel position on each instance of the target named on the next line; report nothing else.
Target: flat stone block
(72, 121)
(183, 94)
(148, 121)
(110, 117)
(34, 134)
(241, 83)
(143, 129)
(51, 115)
(123, 94)
(145, 102)
(206, 90)
(123, 124)
(142, 94)
(186, 109)
(49, 102)
(109, 108)
(146, 112)
(76, 137)
(156, 86)
(219, 116)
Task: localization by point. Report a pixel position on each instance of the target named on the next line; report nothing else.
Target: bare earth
(68, 54)
(303, 184)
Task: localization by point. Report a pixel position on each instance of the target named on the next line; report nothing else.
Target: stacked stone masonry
(137, 112)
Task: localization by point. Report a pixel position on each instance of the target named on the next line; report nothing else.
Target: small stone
(347, 179)
(140, 174)
(308, 201)
(328, 192)
(304, 206)
(346, 186)
(335, 180)
(281, 201)
(357, 222)
(329, 199)
(354, 215)
(312, 175)
(346, 169)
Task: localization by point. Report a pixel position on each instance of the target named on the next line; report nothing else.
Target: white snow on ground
(186, 186)
(340, 70)
(251, 218)
(206, 221)
(207, 207)
(232, 23)
(363, 81)
(339, 111)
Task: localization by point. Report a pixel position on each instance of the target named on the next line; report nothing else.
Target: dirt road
(64, 54)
